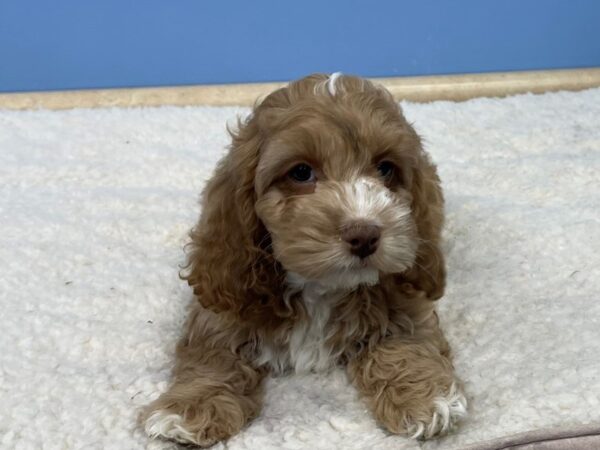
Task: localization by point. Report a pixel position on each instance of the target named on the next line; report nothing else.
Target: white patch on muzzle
(366, 200)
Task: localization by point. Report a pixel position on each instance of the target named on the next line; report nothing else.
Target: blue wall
(60, 44)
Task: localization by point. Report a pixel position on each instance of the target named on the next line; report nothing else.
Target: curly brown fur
(318, 245)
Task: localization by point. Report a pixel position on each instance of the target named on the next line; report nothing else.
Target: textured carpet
(94, 210)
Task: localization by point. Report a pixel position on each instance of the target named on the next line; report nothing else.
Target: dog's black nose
(363, 238)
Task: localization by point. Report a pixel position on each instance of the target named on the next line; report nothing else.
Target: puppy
(317, 247)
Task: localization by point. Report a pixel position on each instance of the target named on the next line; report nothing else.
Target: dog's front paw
(447, 411)
(170, 425)
(202, 423)
(424, 419)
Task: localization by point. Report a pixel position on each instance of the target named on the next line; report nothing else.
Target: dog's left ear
(428, 274)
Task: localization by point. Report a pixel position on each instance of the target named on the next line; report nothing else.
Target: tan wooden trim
(417, 89)
(498, 84)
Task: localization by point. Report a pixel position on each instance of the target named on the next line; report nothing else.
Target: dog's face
(326, 178)
(333, 186)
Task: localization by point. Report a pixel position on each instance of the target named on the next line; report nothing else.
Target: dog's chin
(341, 279)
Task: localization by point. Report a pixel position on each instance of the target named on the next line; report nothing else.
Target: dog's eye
(386, 169)
(302, 173)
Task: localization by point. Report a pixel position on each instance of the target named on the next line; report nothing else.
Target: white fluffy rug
(94, 210)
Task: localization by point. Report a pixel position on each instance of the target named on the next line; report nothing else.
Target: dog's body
(318, 246)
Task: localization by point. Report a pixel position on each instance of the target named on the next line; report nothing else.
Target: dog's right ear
(230, 264)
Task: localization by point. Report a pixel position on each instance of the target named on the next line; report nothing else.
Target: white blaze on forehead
(331, 87)
(328, 86)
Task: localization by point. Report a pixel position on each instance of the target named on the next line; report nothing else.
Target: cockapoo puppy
(317, 247)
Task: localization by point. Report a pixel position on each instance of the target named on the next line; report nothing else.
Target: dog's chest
(306, 348)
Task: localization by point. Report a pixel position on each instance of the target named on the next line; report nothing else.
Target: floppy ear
(428, 274)
(230, 266)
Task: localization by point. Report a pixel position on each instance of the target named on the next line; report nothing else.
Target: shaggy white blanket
(95, 206)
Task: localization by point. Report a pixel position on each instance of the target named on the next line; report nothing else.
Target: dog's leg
(215, 391)
(410, 385)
